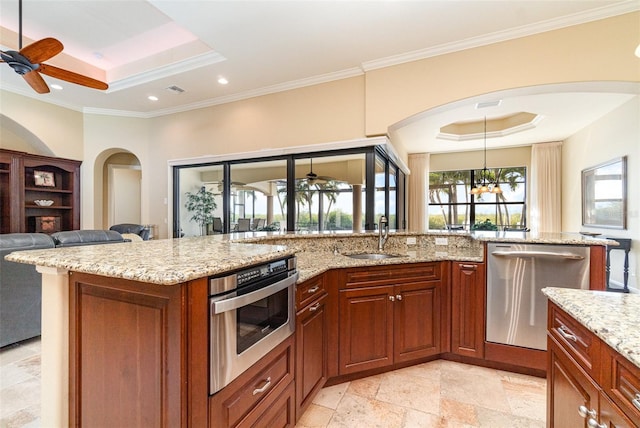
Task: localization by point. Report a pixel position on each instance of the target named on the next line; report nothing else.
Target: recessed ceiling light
(56, 86)
(152, 98)
(222, 81)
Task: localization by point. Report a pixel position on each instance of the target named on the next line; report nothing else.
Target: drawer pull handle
(314, 308)
(584, 412)
(636, 401)
(472, 267)
(264, 388)
(398, 296)
(592, 423)
(313, 289)
(392, 298)
(567, 334)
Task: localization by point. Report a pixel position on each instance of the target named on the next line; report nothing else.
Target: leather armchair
(138, 229)
(20, 288)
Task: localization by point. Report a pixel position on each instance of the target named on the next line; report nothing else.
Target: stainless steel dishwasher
(516, 308)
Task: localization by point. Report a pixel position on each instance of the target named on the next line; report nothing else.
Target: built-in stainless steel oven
(251, 311)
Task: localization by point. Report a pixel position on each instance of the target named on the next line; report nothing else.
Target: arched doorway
(122, 195)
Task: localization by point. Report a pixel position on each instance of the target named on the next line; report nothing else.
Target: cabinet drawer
(260, 385)
(621, 382)
(378, 275)
(579, 342)
(278, 414)
(308, 291)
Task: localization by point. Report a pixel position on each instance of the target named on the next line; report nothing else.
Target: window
(451, 206)
(277, 193)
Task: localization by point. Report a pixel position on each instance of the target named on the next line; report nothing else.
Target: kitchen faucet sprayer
(382, 236)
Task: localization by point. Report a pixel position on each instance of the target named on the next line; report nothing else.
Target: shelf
(47, 189)
(50, 207)
(18, 191)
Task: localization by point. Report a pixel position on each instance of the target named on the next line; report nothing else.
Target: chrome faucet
(382, 236)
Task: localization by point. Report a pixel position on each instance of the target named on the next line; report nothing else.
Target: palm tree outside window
(451, 206)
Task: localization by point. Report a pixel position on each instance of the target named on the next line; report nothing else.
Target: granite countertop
(162, 262)
(565, 238)
(172, 261)
(613, 317)
(312, 263)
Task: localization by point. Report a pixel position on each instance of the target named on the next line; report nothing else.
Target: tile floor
(439, 394)
(20, 385)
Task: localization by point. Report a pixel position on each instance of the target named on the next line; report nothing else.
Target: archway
(117, 182)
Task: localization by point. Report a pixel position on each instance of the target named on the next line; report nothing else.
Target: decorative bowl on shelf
(43, 202)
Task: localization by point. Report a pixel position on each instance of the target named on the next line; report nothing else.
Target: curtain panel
(418, 189)
(545, 185)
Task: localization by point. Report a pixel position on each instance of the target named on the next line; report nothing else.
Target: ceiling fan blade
(42, 50)
(36, 81)
(72, 77)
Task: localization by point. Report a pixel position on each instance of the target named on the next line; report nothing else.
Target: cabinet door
(417, 320)
(311, 352)
(569, 391)
(611, 416)
(468, 309)
(366, 328)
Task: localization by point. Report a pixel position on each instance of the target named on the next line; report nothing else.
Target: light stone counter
(162, 262)
(173, 261)
(564, 238)
(613, 317)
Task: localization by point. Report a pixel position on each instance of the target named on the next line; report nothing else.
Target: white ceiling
(142, 47)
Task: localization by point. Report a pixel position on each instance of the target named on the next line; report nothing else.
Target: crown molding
(39, 97)
(501, 36)
(166, 71)
(310, 81)
(616, 9)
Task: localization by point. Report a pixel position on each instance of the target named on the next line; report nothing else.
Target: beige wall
(600, 50)
(336, 111)
(105, 136)
(512, 157)
(614, 135)
(60, 129)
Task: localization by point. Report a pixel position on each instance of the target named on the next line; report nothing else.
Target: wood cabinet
(389, 315)
(468, 291)
(133, 362)
(588, 383)
(311, 342)
(262, 396)
(25, 178)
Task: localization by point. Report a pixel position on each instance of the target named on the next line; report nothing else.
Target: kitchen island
(171, 276)
(594, 358)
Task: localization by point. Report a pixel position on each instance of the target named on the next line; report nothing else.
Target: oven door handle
(232, 303)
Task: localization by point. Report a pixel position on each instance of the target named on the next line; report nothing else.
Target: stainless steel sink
(372, 256)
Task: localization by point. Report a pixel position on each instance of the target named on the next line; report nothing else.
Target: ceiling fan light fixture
(28, 62)
(56, 87)
(222, 80)
(152, 98)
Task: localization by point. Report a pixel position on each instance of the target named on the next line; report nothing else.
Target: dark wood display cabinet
(26, 178)
(588, 383)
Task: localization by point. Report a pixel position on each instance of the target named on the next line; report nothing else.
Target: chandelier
(483, 185)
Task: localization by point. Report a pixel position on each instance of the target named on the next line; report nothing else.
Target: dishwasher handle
(533, 253)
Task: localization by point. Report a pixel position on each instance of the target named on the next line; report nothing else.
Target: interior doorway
(124, 189)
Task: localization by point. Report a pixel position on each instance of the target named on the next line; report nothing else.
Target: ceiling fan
(28, 62)
(313, 178)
